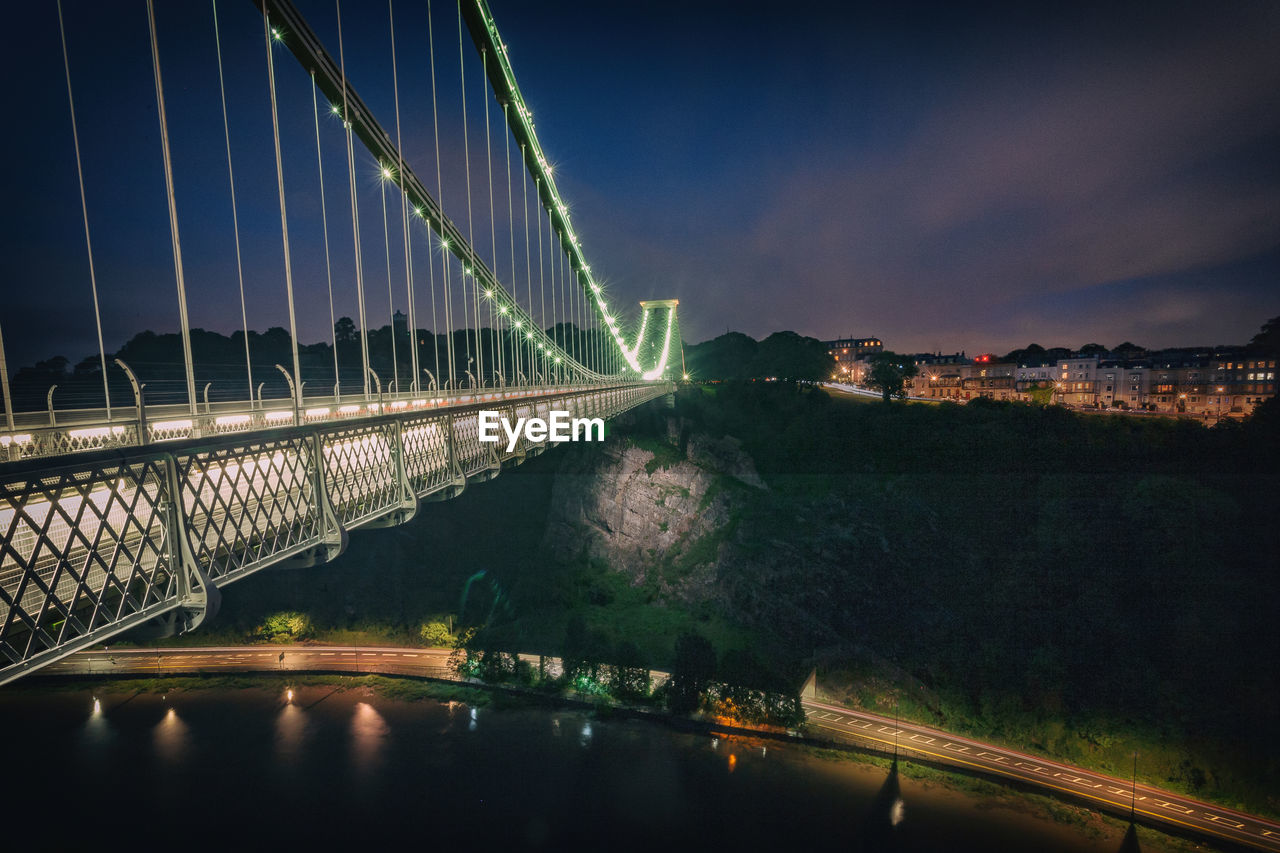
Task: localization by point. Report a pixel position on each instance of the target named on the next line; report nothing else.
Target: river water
(250, 768)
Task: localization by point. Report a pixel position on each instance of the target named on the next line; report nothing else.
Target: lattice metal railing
(474, 456)
(427, 459)
(102, 544)
(250, 504)
(360, 471)
(82, 549)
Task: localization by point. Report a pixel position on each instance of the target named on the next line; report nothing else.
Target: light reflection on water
(398, 766)
(291, 731)
(171, 737)
(368, 734)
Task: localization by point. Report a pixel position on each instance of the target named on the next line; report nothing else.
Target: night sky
(945, 177)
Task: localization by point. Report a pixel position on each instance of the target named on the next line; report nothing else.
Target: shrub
(435, 634)
(285, 627)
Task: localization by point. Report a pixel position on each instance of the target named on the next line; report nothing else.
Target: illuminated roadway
(1152, 805)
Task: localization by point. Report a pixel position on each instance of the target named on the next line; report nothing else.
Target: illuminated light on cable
(466, 270)
(168, 426)
(503, 310)
(519, 324)
(318, 412)
(417, 211)
(529, 335)
(557, 359)
(595, 286)
(444, 244)
(276, 34)
(386, 173)
(488, 294)
(335, 109)
(231, 420)
(279, 416)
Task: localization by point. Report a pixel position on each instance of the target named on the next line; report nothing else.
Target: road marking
(885, 730)
(1221, 819)
(1029, 766)
(922, 739)
(1077, 780)
(862, 724)
(990, 757)
(368, 654)
(406, 655)
(389, 654)
(327, 654)
(954, 747)
(1116, 790)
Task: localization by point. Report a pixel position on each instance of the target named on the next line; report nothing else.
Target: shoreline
(960, 790)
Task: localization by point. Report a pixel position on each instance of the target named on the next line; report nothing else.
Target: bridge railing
(45, 434)
(97, 543)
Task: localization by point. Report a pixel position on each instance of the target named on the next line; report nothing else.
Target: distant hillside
(733, 355)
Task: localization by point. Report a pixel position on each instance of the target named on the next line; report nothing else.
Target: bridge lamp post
(432, 376)
(293, 391)
(48, 400)
(137, 399)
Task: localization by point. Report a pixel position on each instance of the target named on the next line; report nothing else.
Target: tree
(1093, 349)
(889, 374)
(695, 666)
(1267, 340)
(344, 331)
(1030, 355)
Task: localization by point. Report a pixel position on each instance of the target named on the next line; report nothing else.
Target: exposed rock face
(698, 526)
(642, 510)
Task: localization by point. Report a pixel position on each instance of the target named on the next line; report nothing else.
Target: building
(987, 377)
(850, 354)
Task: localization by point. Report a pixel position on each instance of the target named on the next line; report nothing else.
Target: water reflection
(291, 731)
(97, 731)
(171, 737)
(368, 733)
(474, 721)
(586, 733)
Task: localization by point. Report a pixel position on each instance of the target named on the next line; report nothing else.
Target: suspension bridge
(134, 504)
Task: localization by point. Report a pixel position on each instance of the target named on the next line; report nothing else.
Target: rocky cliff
(659, 510)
